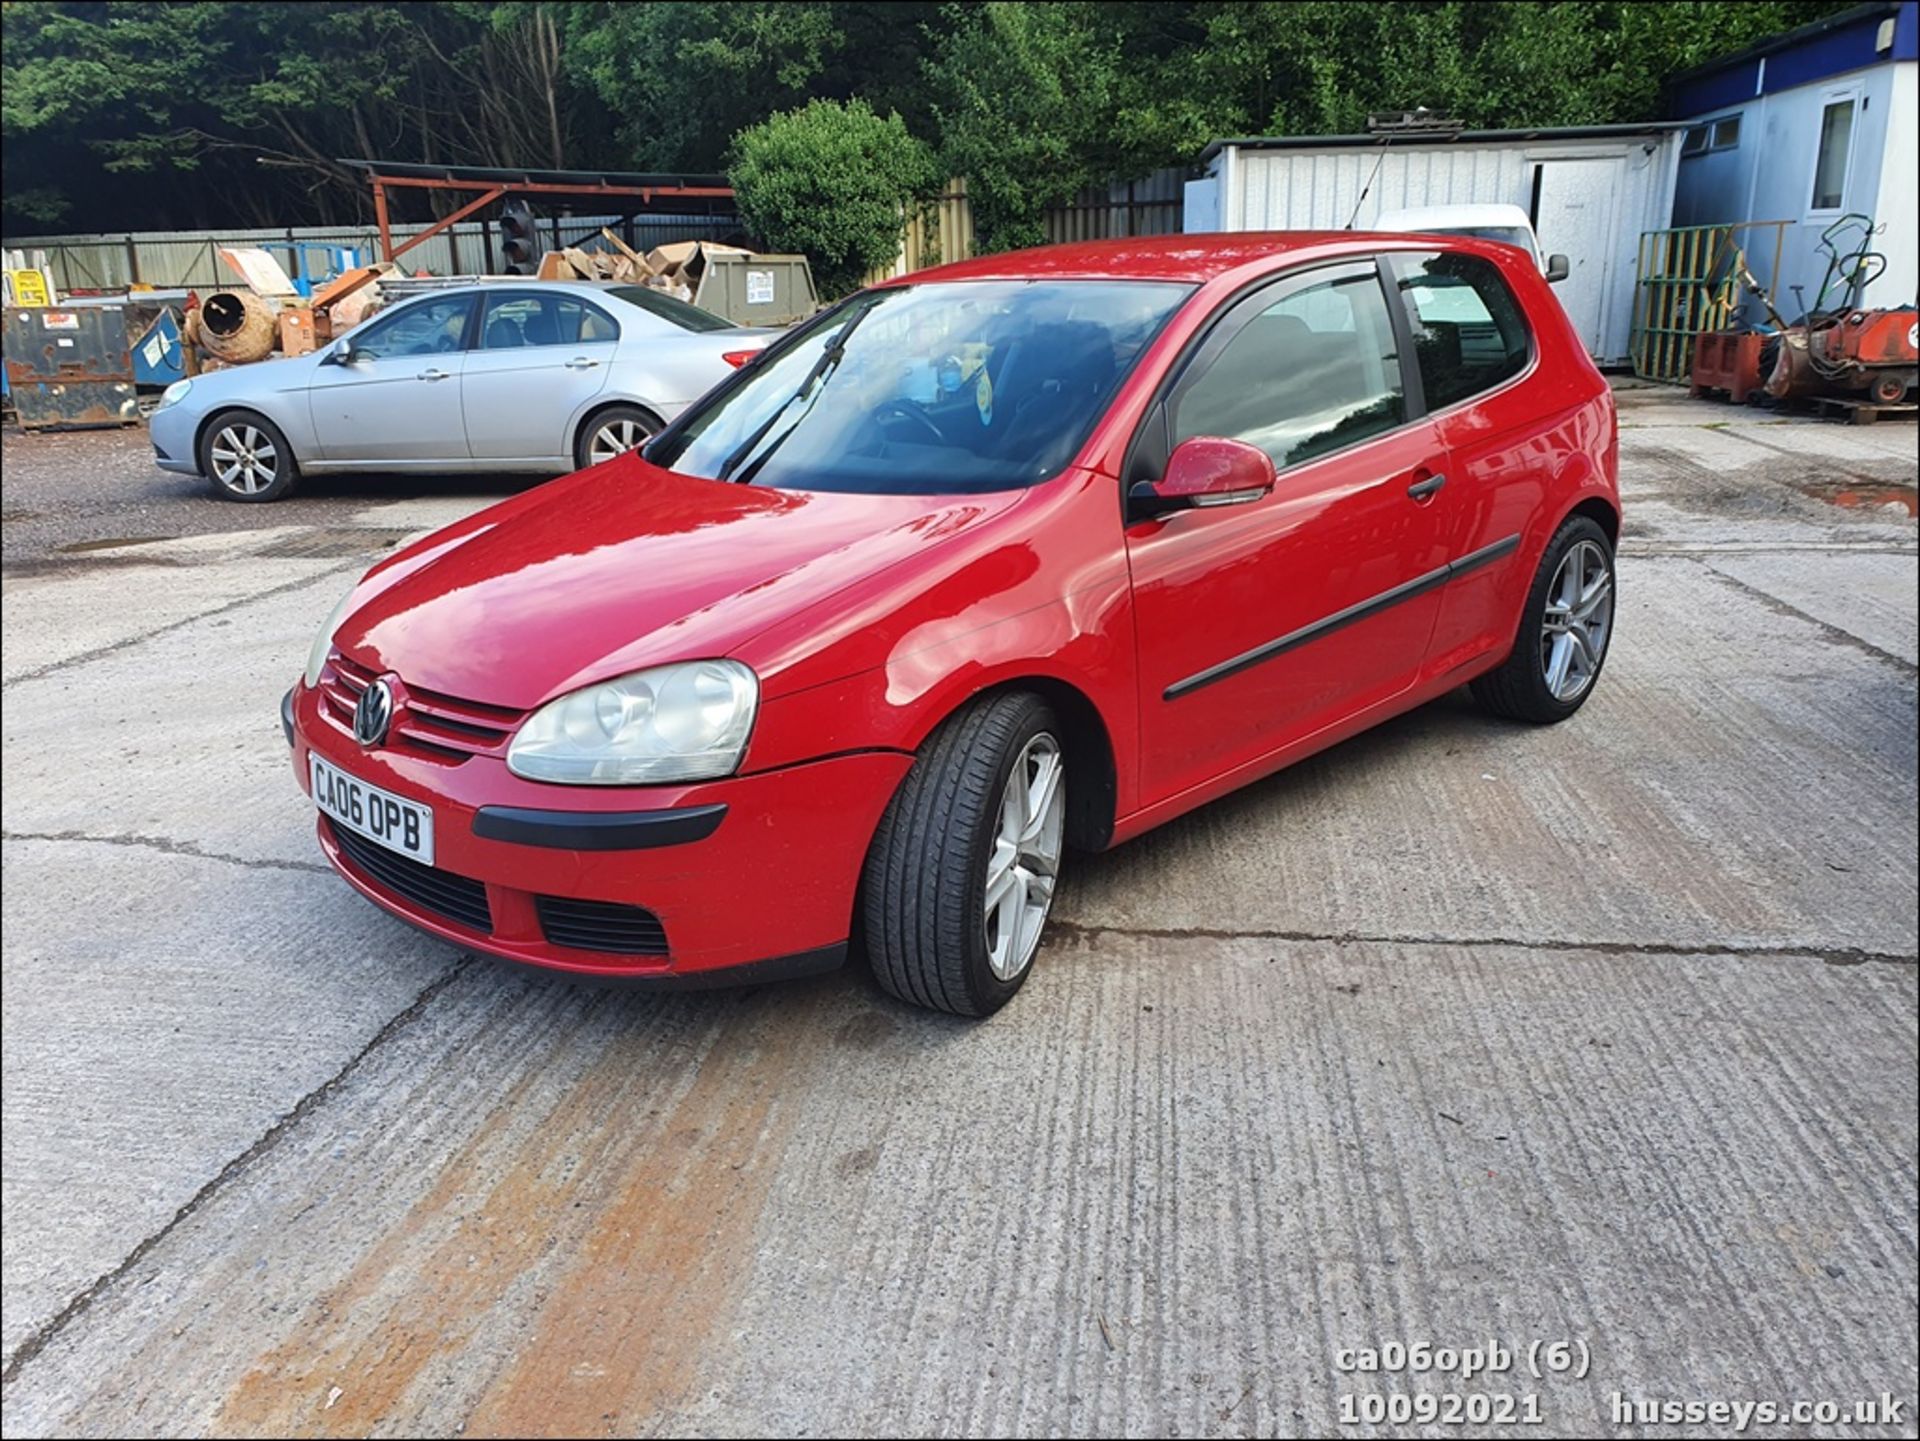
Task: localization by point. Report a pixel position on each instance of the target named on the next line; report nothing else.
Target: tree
(1021, 92)
(239, 113)
(833, 182)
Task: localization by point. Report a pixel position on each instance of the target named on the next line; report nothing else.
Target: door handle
(580, 362)
(431, 374)
(1422, 489)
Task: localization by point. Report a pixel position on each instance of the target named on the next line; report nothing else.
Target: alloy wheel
(1026, 857)
(245, 460)
(1577, 622)
(616, 437)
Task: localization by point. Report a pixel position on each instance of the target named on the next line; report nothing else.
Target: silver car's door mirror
(342, 354)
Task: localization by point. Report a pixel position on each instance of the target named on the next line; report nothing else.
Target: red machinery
(1876, 351)
(1727, 360)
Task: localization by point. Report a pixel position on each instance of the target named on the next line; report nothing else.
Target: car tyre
(1565, 631)
(613, 432)
(245, 457)
(960, 879)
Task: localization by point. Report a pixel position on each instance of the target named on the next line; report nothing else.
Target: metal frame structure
(1690, 281)
(497, 184)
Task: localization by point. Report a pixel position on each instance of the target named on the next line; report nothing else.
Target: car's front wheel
(961, 876)
(1564, 631)
(247, 458)
(614, 431)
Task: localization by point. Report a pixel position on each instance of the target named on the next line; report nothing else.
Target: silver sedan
(541, 377)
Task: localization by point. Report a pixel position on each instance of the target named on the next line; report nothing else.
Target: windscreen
(929, 390)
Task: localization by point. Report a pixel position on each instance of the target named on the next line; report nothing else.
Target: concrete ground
(1603, 1034)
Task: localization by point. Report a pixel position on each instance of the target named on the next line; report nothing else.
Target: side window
(1311, 373)
(1468, 332)
(433, 327)
(1830, 163)
(517, 321)
(586, 323)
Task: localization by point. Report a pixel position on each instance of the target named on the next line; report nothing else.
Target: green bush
(833, 182)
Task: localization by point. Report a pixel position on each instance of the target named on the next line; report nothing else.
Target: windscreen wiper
(822, 368)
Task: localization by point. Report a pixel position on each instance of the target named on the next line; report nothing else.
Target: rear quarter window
(1469, 332)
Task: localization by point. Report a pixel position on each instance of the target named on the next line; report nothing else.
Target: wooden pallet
(1860, 412)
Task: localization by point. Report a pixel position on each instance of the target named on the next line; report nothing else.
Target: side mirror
(1557, 269)
(1204, 471)
(341, 354)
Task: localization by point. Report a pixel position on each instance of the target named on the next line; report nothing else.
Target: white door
(1576, 220)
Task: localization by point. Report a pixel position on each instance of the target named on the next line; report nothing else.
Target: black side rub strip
(1326, 625)
(597, 830)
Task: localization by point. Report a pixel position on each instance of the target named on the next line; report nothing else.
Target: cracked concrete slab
(55, 618)
(1869, 597)
(1154, 1197)
(161, 1012)
(175, 734)
(1458, 1030)
(1736, 779)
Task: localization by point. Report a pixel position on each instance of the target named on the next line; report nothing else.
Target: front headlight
(174, 393)
(323, 642)
(685, 722)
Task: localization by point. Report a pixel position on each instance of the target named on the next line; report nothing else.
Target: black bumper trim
(753, 973)
(286, 715)
(601, 831)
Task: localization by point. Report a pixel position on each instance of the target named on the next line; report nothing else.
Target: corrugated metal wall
(1631, 192)
(1149, 206)
(169, 259)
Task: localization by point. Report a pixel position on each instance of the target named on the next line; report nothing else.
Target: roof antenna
(1365, 188)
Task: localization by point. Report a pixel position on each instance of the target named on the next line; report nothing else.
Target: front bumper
(750, 877)
(171, 433)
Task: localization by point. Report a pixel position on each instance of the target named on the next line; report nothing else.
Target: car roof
(1194, 258)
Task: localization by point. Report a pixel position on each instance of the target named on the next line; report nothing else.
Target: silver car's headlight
(686, 722)
(174, 393)
(323, 642)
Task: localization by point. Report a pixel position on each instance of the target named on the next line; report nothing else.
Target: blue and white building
(1805, 127)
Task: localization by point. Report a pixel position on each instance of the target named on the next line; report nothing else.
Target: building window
(1695, 142)
(1836, 141)
(1726, 133)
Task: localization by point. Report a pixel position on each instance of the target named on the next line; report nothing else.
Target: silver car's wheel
(614, 433)
(1577, 621)
(1026, 857)
(247, 458)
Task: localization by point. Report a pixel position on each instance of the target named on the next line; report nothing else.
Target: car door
(397, 399)
(542, 356)
(1263, 623)
(1473, 351)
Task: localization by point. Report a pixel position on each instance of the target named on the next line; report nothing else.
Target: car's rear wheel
(1564, 631)
(246, 458)
(961, 877)
(614, 431)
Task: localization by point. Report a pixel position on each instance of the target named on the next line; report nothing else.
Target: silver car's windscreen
(944, 388)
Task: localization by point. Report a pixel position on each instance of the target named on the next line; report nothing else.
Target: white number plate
(396, 823)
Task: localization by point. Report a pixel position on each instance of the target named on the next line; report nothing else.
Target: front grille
(457, 898)
(601, 926)
(437, 726)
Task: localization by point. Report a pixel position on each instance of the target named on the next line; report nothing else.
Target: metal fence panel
(190, 259)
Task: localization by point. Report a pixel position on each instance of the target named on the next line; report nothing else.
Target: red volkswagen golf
(1020, 555)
